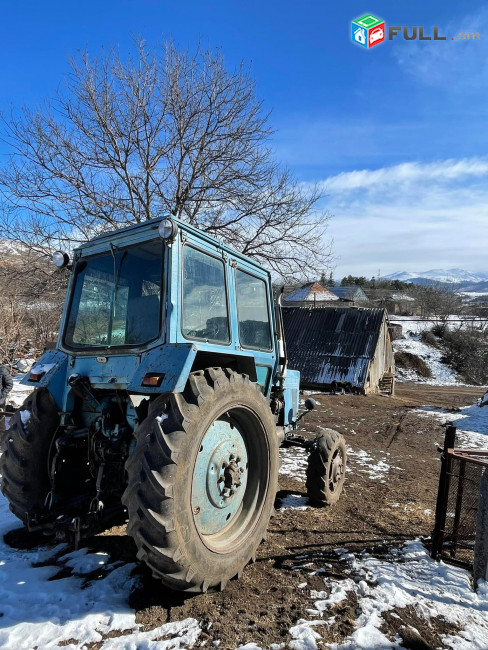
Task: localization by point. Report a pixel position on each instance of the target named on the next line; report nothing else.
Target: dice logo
(368, 31)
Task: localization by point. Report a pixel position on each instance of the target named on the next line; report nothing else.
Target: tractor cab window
(252, 310)
(205, 314)
(116, 298)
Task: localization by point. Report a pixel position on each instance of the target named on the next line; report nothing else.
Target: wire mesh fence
(458, 498)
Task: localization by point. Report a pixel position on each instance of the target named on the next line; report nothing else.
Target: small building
(401, 303)
(353, 294)
(396, 331)
(311, 293)
(338, 348)
(396, 303)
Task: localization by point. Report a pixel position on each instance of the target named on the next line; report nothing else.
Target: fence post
(480, 565)
(459, 505)
(443, 494)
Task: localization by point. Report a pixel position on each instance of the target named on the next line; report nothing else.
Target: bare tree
(439, 301)
(31, 298)
(162, 131)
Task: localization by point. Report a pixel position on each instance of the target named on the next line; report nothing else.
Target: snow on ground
(40, 612)
(294, 462)
(407, 577)
(293, 502)
(442, 374)
(417, 324)
(364, 463)
(18, 394)
(471, 423)
(37, 611)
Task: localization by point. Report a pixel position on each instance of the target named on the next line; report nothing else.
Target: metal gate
(453, 539)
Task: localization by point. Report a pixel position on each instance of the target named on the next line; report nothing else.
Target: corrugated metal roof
(311, 292)
(332, 345)
(349, 293)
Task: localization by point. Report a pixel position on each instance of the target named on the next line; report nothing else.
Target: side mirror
(310, 404)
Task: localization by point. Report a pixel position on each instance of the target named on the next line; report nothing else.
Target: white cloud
(453, 64)
(413, 216)
(406, 173)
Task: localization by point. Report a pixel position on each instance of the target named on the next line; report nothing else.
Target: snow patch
(471, 423)
(409, 577)
(377, 470)
(442, 374)
(39, 611)
(183, 634)
(294, 502)
(293, 462)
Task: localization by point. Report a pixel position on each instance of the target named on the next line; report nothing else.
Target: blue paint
(292, 387)
(54, 378)
(172, 355)
(214, 506)
(173, 359)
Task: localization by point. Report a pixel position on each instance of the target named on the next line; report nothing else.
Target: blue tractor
(165, 400)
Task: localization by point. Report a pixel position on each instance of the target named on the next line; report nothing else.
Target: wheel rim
(336, 470)
(230, 479)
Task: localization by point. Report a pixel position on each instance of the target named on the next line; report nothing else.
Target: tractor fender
(173, 360)
(177, 360)
(51, 369)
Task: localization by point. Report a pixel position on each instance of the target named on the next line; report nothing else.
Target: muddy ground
(379, 508)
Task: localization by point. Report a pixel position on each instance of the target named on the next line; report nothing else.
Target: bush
(410, 361)
(439, 330)
(429, 338)
(467, 352)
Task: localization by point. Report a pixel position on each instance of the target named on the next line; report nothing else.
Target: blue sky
(397, 135)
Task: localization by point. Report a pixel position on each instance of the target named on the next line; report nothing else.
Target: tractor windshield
(116, 298)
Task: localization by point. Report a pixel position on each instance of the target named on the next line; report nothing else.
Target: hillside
(463, 281)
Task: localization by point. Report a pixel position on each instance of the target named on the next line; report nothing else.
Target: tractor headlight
(167, 229)
(60, 259)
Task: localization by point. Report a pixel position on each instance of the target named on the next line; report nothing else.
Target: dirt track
(398, 505)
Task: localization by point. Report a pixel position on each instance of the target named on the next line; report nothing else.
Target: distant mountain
(438, 275)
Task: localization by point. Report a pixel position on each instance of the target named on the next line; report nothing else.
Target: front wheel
(202, 480)
(326, 469)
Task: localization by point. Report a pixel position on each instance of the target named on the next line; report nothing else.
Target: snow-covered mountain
(439, 275)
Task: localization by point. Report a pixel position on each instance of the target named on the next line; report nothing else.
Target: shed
(340, 348)
(312, 292)
(353, 293)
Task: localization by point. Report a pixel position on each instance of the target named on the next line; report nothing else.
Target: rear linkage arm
(293, 439)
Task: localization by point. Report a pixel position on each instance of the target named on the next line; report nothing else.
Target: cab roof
(139, 232)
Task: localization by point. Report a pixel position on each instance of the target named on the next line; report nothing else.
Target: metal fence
(453, 539)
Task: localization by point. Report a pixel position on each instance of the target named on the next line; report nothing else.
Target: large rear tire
(24, 464)
(326, 469)
(202, 480)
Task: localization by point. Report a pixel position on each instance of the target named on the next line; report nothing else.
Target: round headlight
(167, 229)
(60, 259)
